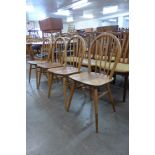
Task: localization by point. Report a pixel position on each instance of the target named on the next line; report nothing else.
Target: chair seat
(85, 62)
(71, 59)
(121, 67)
(49, 65)
(35, 62)
(64, 70)
(91, 79)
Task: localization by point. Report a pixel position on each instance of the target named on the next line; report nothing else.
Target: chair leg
(40, 72)
(50, 82)
(36, 69)
(110, 97)
(30, 72)
(65, 91)
(90, 93)
(125, 86)
(114, 81)
(95, 92)
(70, 97)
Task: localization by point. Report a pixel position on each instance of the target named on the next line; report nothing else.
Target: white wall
(91, 23)
(123, 22)
(126, 23)
(107, 23)
(65, 28)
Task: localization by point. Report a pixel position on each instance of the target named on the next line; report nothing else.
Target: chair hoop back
(76, 48)
(59, 50)
(125, 47)
(105, 51)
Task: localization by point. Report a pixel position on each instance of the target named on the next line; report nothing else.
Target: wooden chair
(88, 37)
(108, 45)
(46, 48)
(123, 65)
(58, 58)
(75, 50)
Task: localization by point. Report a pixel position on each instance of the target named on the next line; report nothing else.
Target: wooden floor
(52, 131)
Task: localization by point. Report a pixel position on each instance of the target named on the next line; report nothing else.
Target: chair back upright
(45, 52)
(104, 47)
(76, 48)
(59, 51)
(125, 48)
(89, 37)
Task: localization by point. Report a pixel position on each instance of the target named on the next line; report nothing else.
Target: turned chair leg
(36, 69)
(110, 97)
(30, 72)
(50, 82)
(40, 72)
(125, 86)
(114, 81)
(95, 91)
(91, 93)
(65, 91)
(71, 95)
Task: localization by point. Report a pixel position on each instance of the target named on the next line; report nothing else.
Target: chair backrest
(125, 47)
(46, 43)
(46, 49)
(68, 35)
(59, 50)
(104, 47)
(76, 48)
(50, 48)
(89, 37)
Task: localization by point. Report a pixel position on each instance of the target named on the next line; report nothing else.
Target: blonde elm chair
(74, 52)
(57, 59)
(104, 47)
(123, 65)
(45, 50)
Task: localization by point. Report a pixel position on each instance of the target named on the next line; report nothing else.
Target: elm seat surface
(64, 70)
(35, 62)
(49, 65)
(91, 79)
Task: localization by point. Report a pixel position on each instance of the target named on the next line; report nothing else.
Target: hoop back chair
(46, 48)
(125, 48)
(44, 52)
(123, 65)
(74, 52)
(89, 37)
(57, 57)
(103, 48)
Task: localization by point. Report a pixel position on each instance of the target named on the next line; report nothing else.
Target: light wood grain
(46, 47)
(75, 50)
(63, 71)
(102, 50)
(57, 58)
(91, 79)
